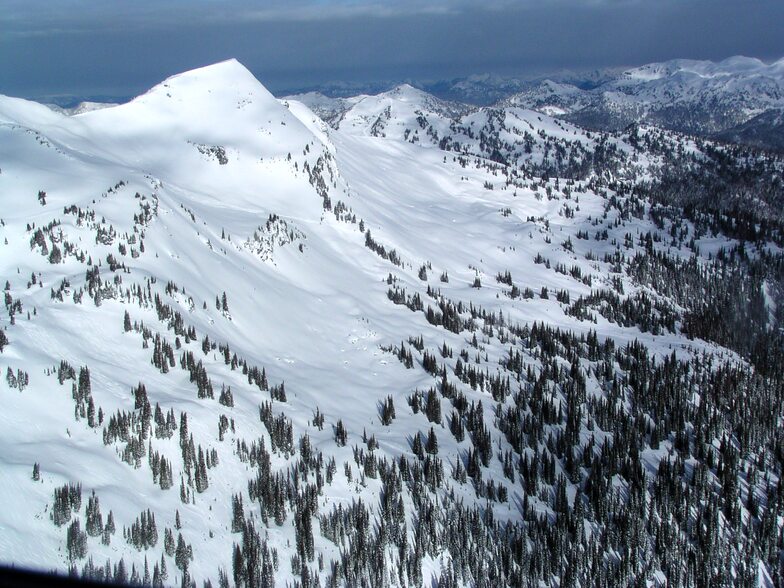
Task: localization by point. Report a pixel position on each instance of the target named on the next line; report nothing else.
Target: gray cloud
(124, 47)
(39, 16)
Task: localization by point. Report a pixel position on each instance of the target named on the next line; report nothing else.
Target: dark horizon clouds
(88, 47)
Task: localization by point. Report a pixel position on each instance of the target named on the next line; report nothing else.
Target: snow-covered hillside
(701, 97)
(425, 345)
(732, 100)
(387, 114)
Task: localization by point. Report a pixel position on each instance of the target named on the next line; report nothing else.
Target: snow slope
(208, 186)
(700, 97)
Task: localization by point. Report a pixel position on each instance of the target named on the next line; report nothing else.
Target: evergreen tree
(94, 519)
(341, 435)
(238, 515)
(431, 445)
(76, 541)
(183, 554)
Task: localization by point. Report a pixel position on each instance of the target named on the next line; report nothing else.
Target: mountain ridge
(415, 347)
(706, 98)
(700, 97)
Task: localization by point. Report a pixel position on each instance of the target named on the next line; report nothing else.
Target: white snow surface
(724, 93)
(214, 154)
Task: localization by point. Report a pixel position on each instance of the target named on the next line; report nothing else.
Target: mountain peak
(231, 68)
(735, 65)
(741, 62)
(407, 92)
(224, 77)
(221, 104)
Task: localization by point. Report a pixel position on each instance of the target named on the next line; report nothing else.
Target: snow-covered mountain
(373, 115)
(737, 99)
(401, 343)
(700, 97)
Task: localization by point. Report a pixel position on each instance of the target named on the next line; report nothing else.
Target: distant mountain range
(740, 99)
(733, 99)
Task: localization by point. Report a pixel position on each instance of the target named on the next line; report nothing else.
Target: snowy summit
(388, 340)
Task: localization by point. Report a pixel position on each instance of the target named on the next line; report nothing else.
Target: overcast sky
(119, 47)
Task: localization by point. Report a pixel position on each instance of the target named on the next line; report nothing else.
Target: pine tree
(183, 554)
(238, 514)
(202, 483)
(85, 387)
(416, 446)
(341, 435)
(109, 529)
(226, 398)
(76, 541)
(387, 411)
(94, 519)
(433, 406)
(168, 542)
(431, 446)
(91, 413)
(120, 573)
